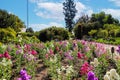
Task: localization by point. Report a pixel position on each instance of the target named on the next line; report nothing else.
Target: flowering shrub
(65, 60)
(5, 66)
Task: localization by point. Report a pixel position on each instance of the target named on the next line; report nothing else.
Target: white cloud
(50, 10)
(38, 27)
(82, 9)
(53, 10)
(114, 12)
(117, 2)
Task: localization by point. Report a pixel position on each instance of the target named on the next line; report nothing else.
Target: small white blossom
(106, 77)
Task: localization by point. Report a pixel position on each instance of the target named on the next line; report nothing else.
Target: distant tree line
(99, 25)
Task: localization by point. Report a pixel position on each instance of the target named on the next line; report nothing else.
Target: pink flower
(51, 52)
(85, 68)
(57, 48)
(68, 56)
(46, 56)
(1, 55)
(33, 52)
(80, 55)
(6, 55)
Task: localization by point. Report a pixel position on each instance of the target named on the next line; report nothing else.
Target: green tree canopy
(105, 23)
(10, 20)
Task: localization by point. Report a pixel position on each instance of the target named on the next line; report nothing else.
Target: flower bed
(64, 60)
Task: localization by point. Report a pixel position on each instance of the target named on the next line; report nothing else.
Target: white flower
(107, 73)
(112, 73)
(58, 71)
(106, 77)
(69, 69)
(62, 68)
(117, 76)
(51, 60)
(96, 62)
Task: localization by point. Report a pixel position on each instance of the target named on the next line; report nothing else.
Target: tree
(30, 30)
(69, 12)
(83, 19)
(85, 24)
(10, 20)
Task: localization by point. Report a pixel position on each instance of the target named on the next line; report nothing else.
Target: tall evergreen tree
(69, 12)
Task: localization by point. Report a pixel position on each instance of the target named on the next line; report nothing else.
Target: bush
(102, 33)
(7, 35)
(78, 31)
(53, 33)
(92, 33)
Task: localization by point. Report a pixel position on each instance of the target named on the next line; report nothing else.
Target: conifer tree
(69, 11)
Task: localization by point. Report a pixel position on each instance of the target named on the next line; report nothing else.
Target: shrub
(7, 35)
(78, 31)
(92, 33)
(53, 33)
(102, 33)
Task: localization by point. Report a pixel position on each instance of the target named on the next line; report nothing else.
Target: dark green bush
(78, 31)
(53, 33)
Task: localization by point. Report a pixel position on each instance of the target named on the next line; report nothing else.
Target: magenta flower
(1, 55)
(33, 52)
(118, 50)
(6, 55)
(85, 68)
(80, 55)
(91, 76)
(24, 75)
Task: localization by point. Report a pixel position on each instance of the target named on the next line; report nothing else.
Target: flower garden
(64, 60)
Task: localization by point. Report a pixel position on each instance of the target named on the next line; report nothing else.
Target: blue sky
(46, 13)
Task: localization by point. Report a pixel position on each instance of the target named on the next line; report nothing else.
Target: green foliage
(27, 38)
(92, 33)
(69, 12)
(114, 41)
(102, 33)
(101, 69)
(105, 23)
(118, 66)
(113, 30)
(29, 30)
(53, 33)
(7, 35)
(78, 31)
(10, 20)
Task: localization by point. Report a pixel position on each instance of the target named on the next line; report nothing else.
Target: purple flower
(91, 76)
(24, 75)
(118, 50)
(19, 51)
(23, 72)
(68, 55)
